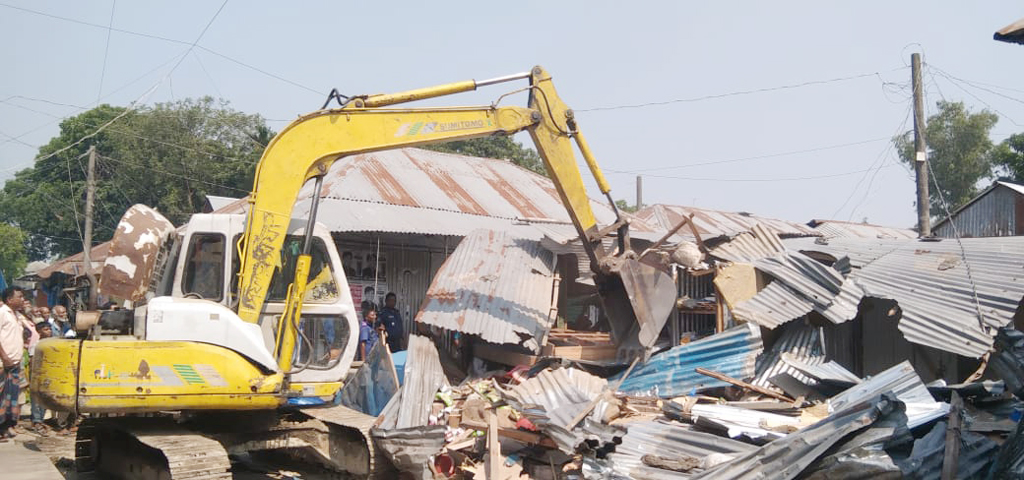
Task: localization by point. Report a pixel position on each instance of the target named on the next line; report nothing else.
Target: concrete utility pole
(90, 192)
(639, 192)
(920, 164)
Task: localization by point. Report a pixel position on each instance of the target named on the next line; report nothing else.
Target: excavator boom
(306, 148)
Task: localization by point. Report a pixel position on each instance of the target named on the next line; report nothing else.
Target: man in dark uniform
(391, 321)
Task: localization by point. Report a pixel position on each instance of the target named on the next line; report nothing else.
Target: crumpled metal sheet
(373, 385)
(786, 458)
(734, 421)
(1009, 462)
(423, 377)
(929, 281)
(1008, 360)
(864, 456)
(902, 381)
(798, 340)
(410, 449)
(132, 257)
(801, 283)
(496, 286)
(553, 398)
(925, 462)
(671, 373)
(671, 440)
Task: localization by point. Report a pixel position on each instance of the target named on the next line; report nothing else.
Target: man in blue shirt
(391, 320)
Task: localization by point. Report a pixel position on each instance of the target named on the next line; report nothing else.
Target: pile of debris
(720, 407)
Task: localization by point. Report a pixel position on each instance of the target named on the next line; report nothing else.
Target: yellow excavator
(218, 359)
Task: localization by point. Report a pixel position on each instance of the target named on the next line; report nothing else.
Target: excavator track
(351, 447)
(148, 448)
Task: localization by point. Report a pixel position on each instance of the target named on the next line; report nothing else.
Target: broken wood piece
(744, 385)
(684, 463)
(494, 460)
(951, 459)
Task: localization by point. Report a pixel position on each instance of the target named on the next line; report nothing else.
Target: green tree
(12, 251)
(1009, 157)
(959, 152)
(501, 146)
(168, 156)
(626, 207)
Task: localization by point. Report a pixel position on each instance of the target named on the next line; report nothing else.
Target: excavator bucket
(638, 298)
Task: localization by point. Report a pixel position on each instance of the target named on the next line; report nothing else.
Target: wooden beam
(951, 460)
(744, 385)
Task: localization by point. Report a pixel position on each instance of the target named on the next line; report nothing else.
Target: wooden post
(920, 149)
(951, 459)
(90, 193)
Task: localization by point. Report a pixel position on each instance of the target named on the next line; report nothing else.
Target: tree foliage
(626, 207)
(502, 147)
(12, 251)
(168, 156)
(1008, 156)
(959, 152)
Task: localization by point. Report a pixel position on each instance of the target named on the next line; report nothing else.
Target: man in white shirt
(12, 342)
(60, 324)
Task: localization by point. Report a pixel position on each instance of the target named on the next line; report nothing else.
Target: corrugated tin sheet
(799, 341)
(929, 281)
(925, 462)
(715, 223)
(903, 382)
(423, 377)
(993, 213)
(785, 458)
(670, 440)
(496, 286)
(553, 398)
(801, 283)
(821, 371)
(835, 228)
(671, 373)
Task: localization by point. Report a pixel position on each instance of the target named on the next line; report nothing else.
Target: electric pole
(921, 155)
(639, 192)
(90, 192)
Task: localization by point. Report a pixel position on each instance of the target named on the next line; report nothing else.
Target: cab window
(204, 267)
(321, 288)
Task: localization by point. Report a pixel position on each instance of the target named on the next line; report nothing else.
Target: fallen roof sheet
(1012, 33)
(824, 371)
(671, 373)
(496, 286)
(736, 421)
(930, 282)
(801, 284)
(670, 440)
(716, 223)
(785, 458)
(903, 382)
(798, 340)
(423, 377)
(925, 462)
(836, 228)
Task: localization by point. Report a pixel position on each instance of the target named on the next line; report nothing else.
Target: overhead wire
(740, 92)
(106, 50)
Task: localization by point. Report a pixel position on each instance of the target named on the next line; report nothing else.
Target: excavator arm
(306, 148)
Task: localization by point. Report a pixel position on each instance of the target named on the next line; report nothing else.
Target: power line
(166, 39)
(193, 179)
(106, 51)
(777, 179)
(770, 155)
(740, 92)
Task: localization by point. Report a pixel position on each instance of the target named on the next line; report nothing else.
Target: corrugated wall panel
(992, 215)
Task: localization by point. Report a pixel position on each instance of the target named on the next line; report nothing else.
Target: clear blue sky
(602, 54)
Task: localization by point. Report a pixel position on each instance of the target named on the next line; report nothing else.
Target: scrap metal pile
(679, 416)
(763, 398)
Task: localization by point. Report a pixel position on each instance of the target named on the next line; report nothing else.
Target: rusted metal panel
(496, 286)
(993, 213)
(129, 264)
(73, 265)
(715, 223)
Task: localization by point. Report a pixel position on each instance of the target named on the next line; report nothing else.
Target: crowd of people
(386, 321)
(22, 326)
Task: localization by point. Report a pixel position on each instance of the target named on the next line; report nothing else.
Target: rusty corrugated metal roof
(836, 228)
(716, 223)
(494, 285)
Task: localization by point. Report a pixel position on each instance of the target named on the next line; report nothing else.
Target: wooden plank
(744, 385)
(951, 459)
(494, 460)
